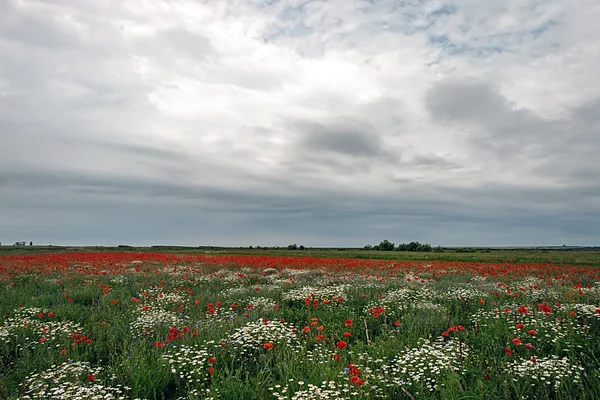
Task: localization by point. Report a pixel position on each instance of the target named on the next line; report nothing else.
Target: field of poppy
(129, 325)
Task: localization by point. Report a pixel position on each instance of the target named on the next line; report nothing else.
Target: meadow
(252, 325)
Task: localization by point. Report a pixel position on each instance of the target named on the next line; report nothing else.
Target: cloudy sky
(317, 122)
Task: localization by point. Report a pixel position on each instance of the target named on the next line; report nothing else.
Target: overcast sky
(331, 123)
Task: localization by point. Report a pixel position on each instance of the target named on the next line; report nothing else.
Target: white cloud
(425, 99)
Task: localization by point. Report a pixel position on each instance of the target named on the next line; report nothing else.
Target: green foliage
(414, 246)
(385, 245)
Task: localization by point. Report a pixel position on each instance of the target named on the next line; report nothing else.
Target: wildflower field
(151, 326)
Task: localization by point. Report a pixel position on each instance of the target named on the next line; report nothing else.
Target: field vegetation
(299, 324)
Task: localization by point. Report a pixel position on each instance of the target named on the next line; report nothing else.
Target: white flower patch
(592, 293)
(407, 295)
(254, 335)
(462, 292)
(236, 291)
(320, 354)
(158, 296)
(547, 327)
(425, 364)
(316, 292)
(148, 320)
(411, 278)
(403, 299)
(551, 371)
(118, 280)
(227, 276)
(201, 393)
(585, 310)
(35, 320)
(260, 303)
(70, 380)
(327, 390)
(222, 314)
(189, 364)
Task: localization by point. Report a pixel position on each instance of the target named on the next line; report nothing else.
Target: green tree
(425, 247)
(386, 245)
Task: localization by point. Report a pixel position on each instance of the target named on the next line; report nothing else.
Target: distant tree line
(295, 247)
(20, 244)
(386, 245)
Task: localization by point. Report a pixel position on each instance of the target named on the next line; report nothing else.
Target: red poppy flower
(341, 344)
(268, 345)
(348, 322)
(517, 341)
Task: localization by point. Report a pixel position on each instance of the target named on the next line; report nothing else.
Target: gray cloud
(322, 123)
(345, 137)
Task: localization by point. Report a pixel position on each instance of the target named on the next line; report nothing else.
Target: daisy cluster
(70, 380)
(402, 299)
(254, 335)
(547, 326)
(236, 291)
(38, 323)
(552, 371)
(461, 292)
(327, 390)
(260, 303)
(593, 292)
(319, 354)
(148, 319)
(118, 280)
(408, 295)
(220, 314)
(585, 310)
(156, 295)
(316, 292)
(426, 364)
(190, 364)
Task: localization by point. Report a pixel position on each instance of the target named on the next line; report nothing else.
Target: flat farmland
(299, 325)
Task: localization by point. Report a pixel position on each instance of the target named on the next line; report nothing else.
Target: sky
(316, 122)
